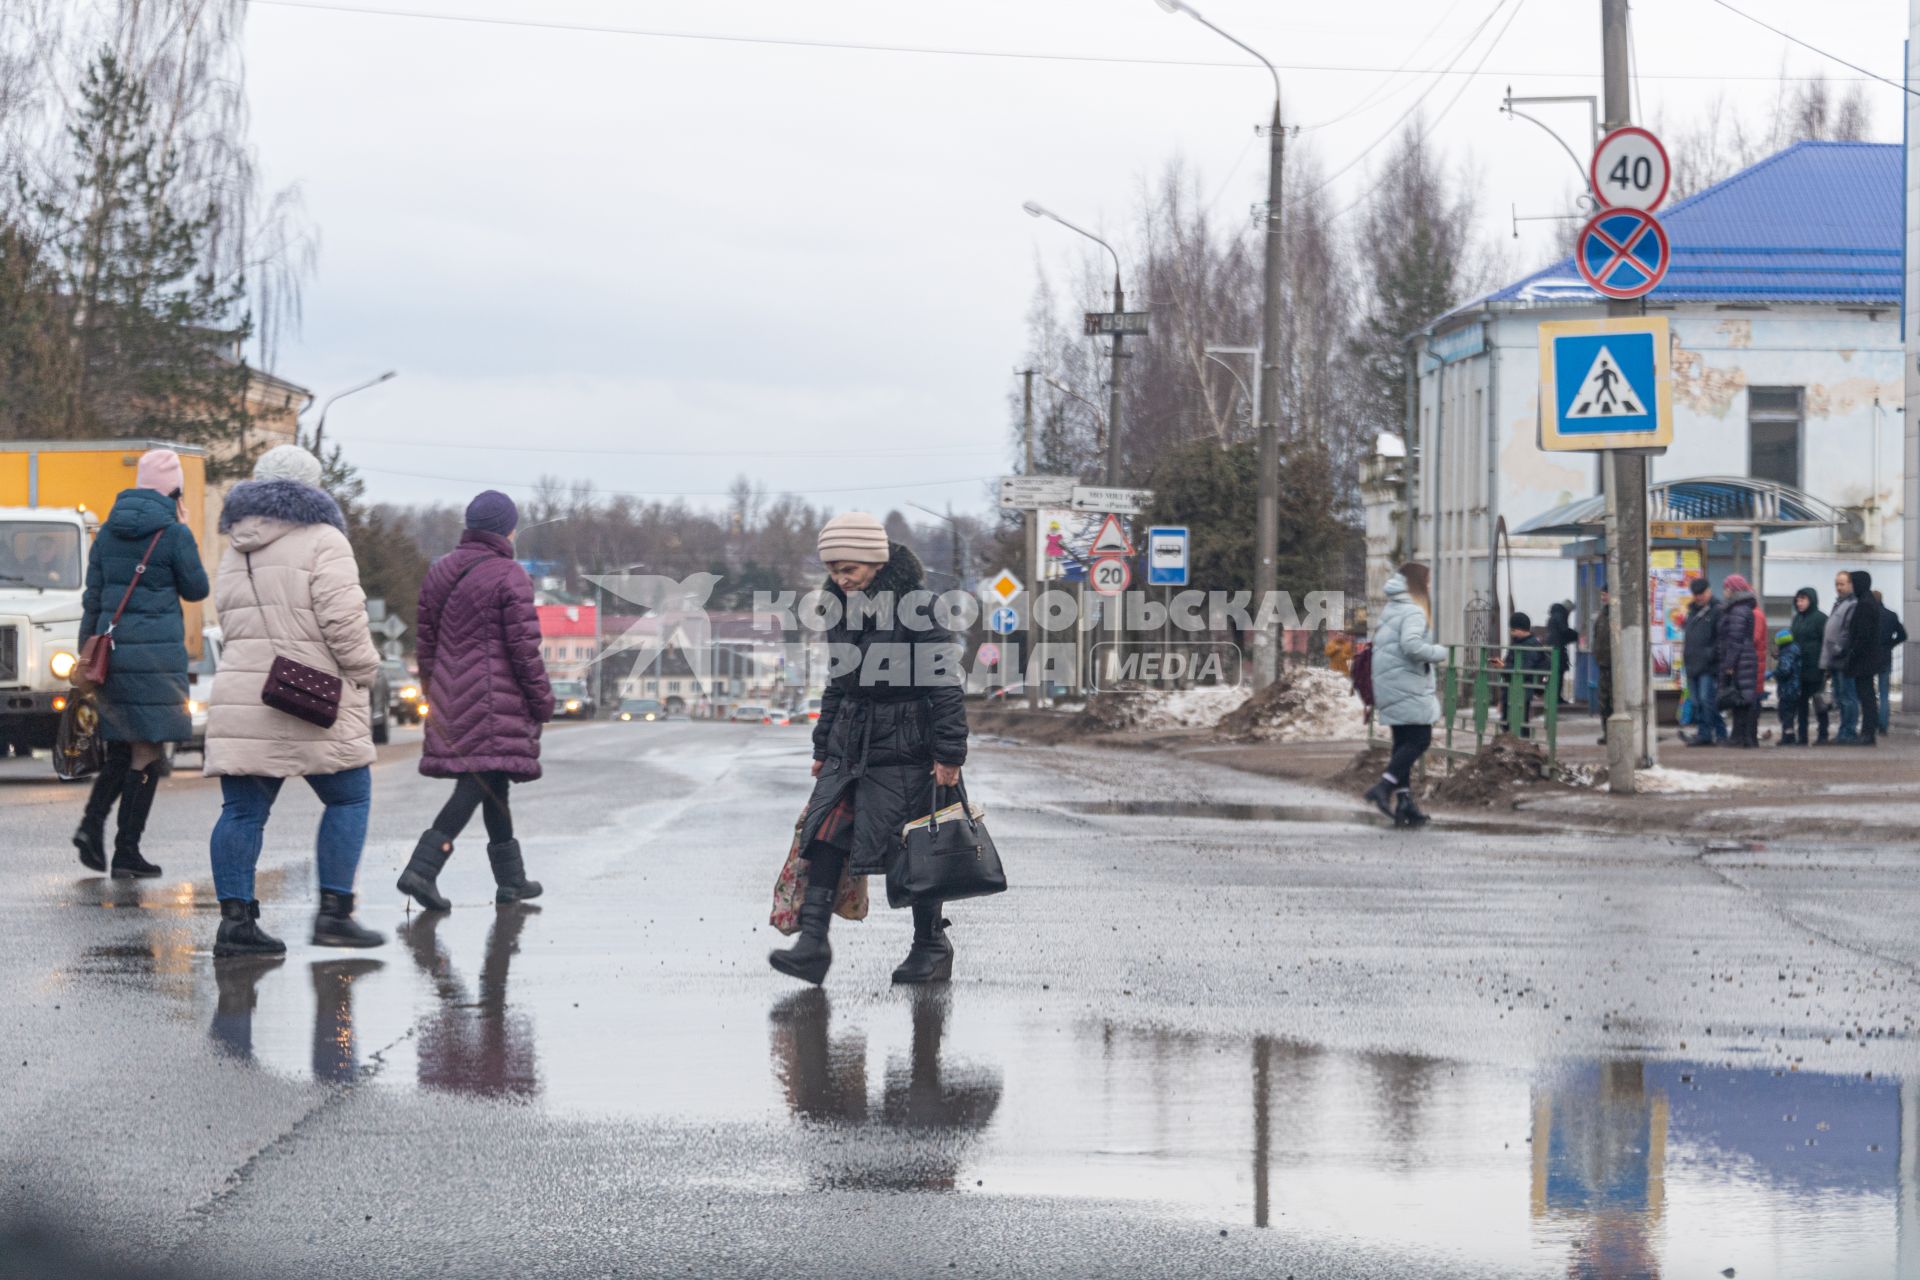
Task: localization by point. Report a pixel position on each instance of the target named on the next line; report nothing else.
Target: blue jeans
(1885, 685)
(1707, 721)
(1848, 700)
(245, 806)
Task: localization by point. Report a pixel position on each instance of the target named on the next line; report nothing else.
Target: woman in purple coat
(486, 685)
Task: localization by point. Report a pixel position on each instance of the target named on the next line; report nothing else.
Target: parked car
(776, 715)
(748, 714)
(571, 701)
(409, 702)
(643, 709)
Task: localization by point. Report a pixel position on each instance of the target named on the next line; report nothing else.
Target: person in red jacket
(484, 678)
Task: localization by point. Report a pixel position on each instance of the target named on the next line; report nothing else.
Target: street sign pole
(1630, 736)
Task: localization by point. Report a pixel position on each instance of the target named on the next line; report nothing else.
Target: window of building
(1774, 422)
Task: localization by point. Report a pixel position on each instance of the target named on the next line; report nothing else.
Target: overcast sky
(655, 263)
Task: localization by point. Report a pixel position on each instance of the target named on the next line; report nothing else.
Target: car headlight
(62, 664)
(649, 715)
(195, 707)
(409, 693)
(422, 709)
(573, 704)
(626, 715)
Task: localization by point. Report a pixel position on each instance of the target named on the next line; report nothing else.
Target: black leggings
(824, 864)
(486, 792)
(1410, 742)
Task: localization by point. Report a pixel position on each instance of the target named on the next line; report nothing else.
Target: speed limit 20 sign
(1630, 170)
(1110, 575)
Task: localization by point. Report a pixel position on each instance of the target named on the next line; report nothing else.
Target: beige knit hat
(854, 535)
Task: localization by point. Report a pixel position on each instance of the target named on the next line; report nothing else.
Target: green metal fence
(1481, 697)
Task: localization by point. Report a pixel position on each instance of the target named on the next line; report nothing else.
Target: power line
(1367, 99)
(785, 42)
(1424, 133)
(1834, 57)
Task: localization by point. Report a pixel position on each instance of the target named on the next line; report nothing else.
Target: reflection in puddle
(467, 1045)
(824, 1077)
(336, 1050)
(237, 982)
(1229, 812)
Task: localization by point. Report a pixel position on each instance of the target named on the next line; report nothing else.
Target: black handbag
(303, 692)
(1731, 695)
(945, 860)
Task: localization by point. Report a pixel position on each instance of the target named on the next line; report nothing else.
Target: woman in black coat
(143, 704)
(893, 724)
(1738, 659)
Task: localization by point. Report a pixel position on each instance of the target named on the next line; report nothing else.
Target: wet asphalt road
(1221, 1026)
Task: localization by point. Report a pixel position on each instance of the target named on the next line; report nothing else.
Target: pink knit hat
(160, 471)
(1735, 583)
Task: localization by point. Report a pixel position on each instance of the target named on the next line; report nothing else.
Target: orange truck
(53, 496)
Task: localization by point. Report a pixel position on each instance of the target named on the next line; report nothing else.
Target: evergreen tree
(153, 334)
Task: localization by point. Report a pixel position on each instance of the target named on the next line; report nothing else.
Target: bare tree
(1721, 142)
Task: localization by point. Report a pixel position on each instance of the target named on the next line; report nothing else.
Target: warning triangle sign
(1112, 540)
(1605, 392)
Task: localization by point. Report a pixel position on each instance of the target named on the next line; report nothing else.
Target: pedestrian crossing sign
(1606, 384)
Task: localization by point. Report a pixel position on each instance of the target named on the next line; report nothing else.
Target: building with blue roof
(1784, 304)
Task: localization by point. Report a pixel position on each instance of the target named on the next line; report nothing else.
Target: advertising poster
(1669, 573)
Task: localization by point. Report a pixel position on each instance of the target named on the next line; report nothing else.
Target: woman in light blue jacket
(1404, 655)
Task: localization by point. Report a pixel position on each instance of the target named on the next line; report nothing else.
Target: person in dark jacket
(1701, 654)
(1533, 661)
(1786, 682)
(1809, 627)
(143, 704)
(1739, 672)
(1865, 644)
(1561, 636)
(480, 665)
(1892, 636)
(892, 728)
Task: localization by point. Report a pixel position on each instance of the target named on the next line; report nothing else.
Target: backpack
(1360, 671)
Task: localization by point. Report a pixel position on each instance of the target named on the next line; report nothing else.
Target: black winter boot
(336, 927)
(420, 880)
(91, 837)
(1406, 813)
(810, 957)
(136, 802)
(510, 873)
(240, 932)
(931, 957)
(1380, 795)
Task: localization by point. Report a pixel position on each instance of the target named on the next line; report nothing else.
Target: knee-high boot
(136, 802)
(930, 959)
(810, 957)
(91, 838)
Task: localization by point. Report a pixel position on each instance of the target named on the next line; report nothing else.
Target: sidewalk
(1764, 794)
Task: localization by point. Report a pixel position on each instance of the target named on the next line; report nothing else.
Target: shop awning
(1729, 502)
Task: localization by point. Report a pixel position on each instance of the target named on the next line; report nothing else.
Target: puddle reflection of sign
(1606, 384)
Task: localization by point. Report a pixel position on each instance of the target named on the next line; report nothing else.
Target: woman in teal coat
(143, 704)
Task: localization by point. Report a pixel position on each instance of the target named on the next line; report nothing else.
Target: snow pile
(1303, 704)
(1140, 707)
(1661, 781)
(1197, 708)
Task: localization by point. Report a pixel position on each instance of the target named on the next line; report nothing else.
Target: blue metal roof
(1818, 222)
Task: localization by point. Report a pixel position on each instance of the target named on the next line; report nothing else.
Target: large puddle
(1612, 1168)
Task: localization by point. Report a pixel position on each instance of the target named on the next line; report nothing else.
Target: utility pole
(1113, 389)
(1034, 668)
(1630, 736)
(1267, 513)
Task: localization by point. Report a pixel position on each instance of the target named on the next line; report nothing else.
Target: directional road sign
(1630, 170)
(1034, 492)
(1167, 556)
(1606, 384)
(1623, 253)
(1126, 502)
(1110, 575)
(1003, 621)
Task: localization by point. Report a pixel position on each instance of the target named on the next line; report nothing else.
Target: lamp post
(320, 428)
(1119, 304)
(1267, 517)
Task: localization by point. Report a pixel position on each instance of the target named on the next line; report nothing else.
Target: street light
(320, 428)
(1119, 304)
(1253, 395)
(1267, 511)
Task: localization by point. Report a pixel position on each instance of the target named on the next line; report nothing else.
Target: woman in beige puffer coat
(289, 587)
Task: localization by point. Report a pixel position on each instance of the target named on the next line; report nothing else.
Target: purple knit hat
(493, 512)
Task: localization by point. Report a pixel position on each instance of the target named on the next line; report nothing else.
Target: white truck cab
(43, 559)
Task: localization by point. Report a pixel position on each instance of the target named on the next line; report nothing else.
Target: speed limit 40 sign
(1630, 170)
